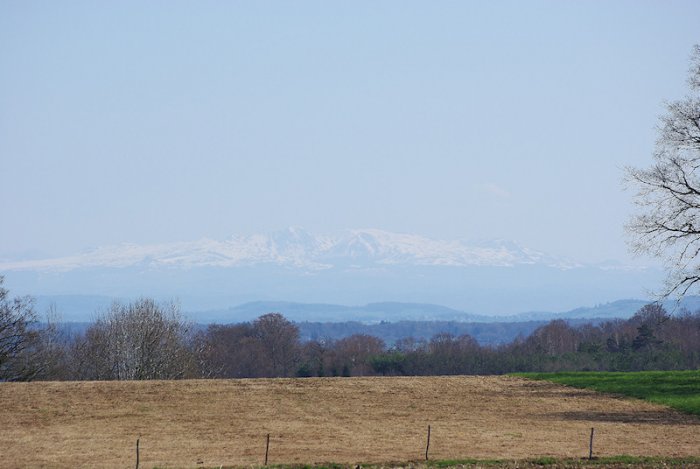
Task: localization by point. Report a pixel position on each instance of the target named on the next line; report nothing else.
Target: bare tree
(229, 351)
(668, 193)
(355, 353)
(279, 339)
(140, 340)
(49, 353)
(19, 337)
(555, 338)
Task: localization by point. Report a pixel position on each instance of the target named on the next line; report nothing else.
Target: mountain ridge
(297, 248)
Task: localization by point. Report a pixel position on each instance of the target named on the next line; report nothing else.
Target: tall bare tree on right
(667, 224)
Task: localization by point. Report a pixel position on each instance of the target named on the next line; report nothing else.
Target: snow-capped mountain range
(296, 248)
(354, 267)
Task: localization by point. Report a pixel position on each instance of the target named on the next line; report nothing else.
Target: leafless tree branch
(667, 225)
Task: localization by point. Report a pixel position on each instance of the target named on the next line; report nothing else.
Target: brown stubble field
(346, 420)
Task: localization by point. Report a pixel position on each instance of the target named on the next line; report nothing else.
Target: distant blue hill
(373, 312)
(616, 309)
(396, 311)
(81, 308)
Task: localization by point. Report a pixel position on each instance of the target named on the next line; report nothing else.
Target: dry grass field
(347, 420)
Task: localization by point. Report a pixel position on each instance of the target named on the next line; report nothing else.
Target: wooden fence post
(590, 446)
(137, 453)
(267, 448)
(427, 446)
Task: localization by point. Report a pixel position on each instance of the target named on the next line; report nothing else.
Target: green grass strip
(677, 389)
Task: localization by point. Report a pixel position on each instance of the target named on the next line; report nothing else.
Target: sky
(149, 122)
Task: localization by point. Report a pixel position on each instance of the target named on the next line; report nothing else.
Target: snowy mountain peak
(297, 248)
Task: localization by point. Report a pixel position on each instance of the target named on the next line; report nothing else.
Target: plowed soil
(347, 420)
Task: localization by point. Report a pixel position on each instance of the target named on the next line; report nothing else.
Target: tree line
(149, 340)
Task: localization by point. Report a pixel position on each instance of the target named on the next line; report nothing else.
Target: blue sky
(161, 121)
